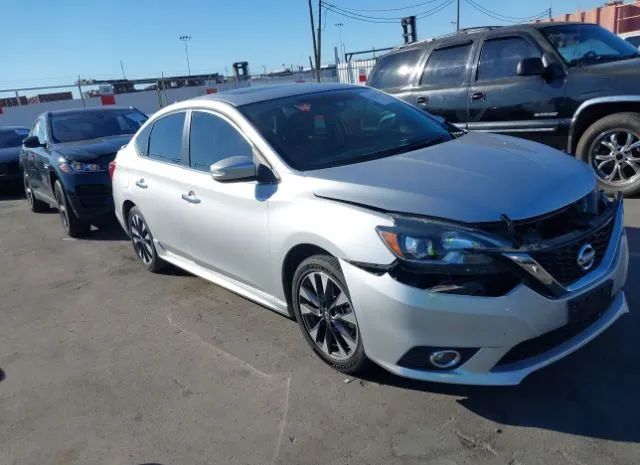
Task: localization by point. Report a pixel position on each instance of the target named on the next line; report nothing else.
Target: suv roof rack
(467, 30)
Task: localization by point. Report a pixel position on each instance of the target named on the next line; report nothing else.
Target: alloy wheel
(328, 315)
(141, 239)
(615, 155)
(62, 209)
(27, 190)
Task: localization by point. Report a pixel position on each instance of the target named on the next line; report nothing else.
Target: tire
(142, 242)
(73, 225)
(35, 205)
(343, 349)
(611, 146)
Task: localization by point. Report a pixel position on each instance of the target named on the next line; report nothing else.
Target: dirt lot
(104, 363)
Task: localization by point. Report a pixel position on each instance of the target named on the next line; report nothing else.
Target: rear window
(394, 70)
(92, 124)
(447, 66)
(12, 137)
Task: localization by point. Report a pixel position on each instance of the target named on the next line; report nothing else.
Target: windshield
(12, 137)
(84, 125)
(340, 127)
(587, 44)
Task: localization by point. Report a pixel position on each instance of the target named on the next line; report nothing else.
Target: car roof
(254, 94)
(87, 110)
(475, 31)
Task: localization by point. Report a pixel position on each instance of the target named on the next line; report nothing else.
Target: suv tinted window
(394, 70)
(500, 57)
(213, 139)
(447, 66)
(165, 143)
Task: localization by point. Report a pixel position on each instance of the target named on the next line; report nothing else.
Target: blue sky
(52, 42)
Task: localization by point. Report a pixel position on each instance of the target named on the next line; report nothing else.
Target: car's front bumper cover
(394, 318)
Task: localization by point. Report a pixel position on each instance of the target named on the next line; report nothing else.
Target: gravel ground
(104, 363)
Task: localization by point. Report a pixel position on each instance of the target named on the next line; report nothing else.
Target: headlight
(437, 244)
(80, 167)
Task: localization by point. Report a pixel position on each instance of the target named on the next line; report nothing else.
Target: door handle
(140, 183)
(191, 197)
(422, 101)
(478, 96)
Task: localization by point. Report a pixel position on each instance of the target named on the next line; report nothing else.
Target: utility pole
(313, 36)
(186, 39)
(458, 18)
(122, 67)
(319, 38)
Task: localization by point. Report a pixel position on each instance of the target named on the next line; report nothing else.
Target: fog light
(445, 358)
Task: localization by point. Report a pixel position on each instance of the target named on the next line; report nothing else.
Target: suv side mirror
(234, 169)
(32, 142)
(531, 67)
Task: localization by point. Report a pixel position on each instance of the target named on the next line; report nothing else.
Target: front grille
(12, 167)
(562, 262)
(94, 195)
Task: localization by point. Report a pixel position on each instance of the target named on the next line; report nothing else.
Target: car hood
(9, 154)
(85, 150)
(472, 179)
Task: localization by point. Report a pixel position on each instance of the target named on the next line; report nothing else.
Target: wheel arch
(296, 255)
(592, 110)
(126, 208)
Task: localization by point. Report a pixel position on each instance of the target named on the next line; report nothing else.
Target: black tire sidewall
(358, 362)
(621, 121)
(76, 227)
(156, 263)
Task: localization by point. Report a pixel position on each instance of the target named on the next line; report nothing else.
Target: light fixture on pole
(186, 39)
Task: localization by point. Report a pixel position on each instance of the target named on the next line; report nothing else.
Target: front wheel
(323, 308)
(611, 146)
(73, 225)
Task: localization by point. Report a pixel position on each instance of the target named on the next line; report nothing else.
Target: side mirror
(531, 67)
(32, 142)
(234, 169)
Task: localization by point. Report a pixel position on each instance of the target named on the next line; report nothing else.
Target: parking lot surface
(104, 363)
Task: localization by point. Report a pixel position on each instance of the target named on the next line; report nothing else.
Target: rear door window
(395, 70)
(500, 57)
(165, 142)
(447, 66)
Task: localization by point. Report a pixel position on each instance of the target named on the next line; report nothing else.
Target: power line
(505, 18)
(384, 20)
(389, 9)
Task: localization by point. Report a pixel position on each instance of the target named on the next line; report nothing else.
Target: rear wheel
(323, 308)
(142, 241)
(37, 206)
(73, 225)
(611, 146)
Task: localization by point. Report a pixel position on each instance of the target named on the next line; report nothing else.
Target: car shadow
(11, 192)
(2, 375)
(591, 393)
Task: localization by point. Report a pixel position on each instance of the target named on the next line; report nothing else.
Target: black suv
(65, 162)
(573, 86)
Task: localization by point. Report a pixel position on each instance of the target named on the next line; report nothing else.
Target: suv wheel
(611, 146)
(37, 206)
(142, 241)
(323, 308)
(70, 222)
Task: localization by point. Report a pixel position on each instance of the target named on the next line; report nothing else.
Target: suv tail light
(112, 168)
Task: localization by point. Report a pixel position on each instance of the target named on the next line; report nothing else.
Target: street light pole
(186, 39)
(340, 26)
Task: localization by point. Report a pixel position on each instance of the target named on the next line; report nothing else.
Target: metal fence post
(80, 90)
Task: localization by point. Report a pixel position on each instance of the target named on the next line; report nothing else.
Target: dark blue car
(11, 138)
(65, 160)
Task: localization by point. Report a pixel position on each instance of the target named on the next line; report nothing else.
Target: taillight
(112, 168)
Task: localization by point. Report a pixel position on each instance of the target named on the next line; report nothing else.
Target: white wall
(147, 101)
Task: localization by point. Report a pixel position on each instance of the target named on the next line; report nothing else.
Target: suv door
(38, 160)
(502, 101)
(158, 181)
(227, 224)
(443, 85)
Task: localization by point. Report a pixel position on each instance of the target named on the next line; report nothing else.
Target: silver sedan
(391, 236)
